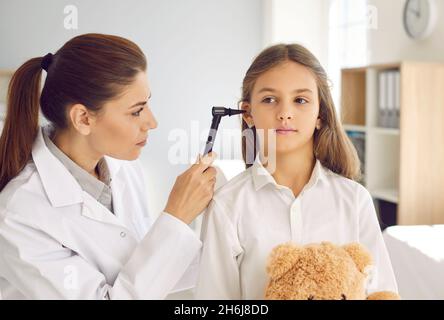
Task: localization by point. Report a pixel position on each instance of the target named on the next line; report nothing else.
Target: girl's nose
(284, 112)
(287, 117)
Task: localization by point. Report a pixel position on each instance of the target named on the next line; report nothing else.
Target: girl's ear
(247, 115)
(318, 123)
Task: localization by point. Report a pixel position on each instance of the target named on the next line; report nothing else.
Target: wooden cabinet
(403, 168)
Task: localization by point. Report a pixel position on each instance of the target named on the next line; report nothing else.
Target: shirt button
(123, 234)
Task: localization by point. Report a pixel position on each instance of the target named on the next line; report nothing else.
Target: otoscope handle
(212, 134)
(218, 113)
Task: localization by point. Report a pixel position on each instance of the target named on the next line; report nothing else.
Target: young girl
(302, 191)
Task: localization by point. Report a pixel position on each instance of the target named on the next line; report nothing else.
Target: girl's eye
(301, 101)
(137, 113)
(269, 100)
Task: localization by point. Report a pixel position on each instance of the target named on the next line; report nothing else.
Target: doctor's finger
(209, 174)
(204, 162)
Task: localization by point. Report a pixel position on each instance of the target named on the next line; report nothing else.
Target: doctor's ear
(81, 118)
(247, 115)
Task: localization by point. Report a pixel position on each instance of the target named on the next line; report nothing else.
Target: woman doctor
(74, 222)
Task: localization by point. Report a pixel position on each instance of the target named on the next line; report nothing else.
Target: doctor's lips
(142, 143)
(285, 130)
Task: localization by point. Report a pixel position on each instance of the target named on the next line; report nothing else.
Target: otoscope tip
(232, 112)
(222, 111)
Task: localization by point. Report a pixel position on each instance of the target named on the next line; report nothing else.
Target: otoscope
(218, 113)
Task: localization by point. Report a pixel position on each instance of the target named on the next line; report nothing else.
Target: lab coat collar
(261, 176)
(53, 172)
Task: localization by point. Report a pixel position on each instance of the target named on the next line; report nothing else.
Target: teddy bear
(321, 271)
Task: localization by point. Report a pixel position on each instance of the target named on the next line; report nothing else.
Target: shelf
(390, 195)
(390, 131)
(386, 66)
(408, 191)
(351, 127)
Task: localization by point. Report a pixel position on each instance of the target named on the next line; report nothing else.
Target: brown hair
(332, 147)
(89, 69)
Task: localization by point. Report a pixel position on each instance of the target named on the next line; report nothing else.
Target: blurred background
(385, 60)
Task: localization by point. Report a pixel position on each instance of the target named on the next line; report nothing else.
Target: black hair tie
(46, 61)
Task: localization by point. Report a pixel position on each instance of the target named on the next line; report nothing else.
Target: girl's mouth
(285, 131)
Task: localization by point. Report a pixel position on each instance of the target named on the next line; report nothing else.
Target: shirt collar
(60, 185)
(262, 177)
(88, 183)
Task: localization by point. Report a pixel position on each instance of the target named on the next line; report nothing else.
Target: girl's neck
(78, 150)
(294, 169)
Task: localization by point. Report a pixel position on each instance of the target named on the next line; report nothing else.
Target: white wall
(390, 43)
(307, 22)
(198, 52)
(302, 21)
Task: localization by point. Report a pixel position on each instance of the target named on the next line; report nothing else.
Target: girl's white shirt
(252, 214)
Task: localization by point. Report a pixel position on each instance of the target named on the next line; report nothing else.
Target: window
(349, 22)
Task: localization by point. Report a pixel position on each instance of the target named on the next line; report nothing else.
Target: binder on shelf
(390, 99)
(397, 99)
(382, 99)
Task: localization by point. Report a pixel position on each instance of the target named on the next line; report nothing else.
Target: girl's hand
(193, 190)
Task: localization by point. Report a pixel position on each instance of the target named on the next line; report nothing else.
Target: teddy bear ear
(360, 256)
(281, 259)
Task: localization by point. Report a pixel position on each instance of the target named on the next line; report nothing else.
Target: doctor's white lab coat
(58, 242)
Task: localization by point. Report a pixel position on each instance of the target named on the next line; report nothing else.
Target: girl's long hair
(332, 147)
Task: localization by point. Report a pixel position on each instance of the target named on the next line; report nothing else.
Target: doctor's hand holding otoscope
(194, 188)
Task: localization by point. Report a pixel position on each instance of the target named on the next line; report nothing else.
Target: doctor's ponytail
(89, 69)
(21, 123)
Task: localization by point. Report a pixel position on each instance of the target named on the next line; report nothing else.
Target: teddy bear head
(320, 271)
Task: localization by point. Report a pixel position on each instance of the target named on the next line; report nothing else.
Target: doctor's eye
(137, 113)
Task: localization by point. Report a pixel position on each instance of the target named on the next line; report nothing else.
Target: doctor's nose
(153, 123)
(150, 122)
